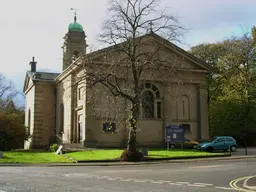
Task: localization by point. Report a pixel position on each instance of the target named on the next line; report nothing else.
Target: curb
(149, 159)
(118, 163)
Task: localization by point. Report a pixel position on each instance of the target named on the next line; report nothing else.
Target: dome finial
(75, 26)
(74, 9)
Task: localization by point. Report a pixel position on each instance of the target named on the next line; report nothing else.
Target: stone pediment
(38, 76)
(28, 82)
(167, 51)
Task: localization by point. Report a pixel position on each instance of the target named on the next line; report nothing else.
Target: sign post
(59, 150)
(168, 138)
(174, 133)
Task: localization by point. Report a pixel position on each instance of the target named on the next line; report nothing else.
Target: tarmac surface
(213, 175)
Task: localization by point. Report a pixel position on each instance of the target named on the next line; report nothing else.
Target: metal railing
(59, 138)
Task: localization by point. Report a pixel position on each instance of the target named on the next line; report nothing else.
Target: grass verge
(33, 157)
(97, 155)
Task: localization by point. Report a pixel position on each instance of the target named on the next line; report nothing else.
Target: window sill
(152, 119)
(109, 133)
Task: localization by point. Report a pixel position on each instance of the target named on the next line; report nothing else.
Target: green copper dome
(75, 27)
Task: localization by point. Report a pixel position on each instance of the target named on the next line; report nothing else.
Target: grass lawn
(107, 154)
(180, 153)
(33, 157)
(154, 153)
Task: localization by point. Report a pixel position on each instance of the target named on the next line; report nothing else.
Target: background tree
(211, 54)
(232, 111)
(13, 133)
(254, 33)
(12, 129)
(133, 55)
(7, 91)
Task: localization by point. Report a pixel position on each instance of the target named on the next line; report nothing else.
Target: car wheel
(233, 148)
(209, 149)
(194, 146)
(172, 146)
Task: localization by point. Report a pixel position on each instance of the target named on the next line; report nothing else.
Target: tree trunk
(246, 124)
(132, 143)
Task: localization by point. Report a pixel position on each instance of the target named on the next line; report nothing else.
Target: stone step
(73, 145)
(70, 147)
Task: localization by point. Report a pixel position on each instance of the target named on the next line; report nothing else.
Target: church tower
(74, 44)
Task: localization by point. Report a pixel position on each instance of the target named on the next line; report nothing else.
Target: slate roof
(42, 76)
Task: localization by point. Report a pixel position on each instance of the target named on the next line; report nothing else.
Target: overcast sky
(37, 27)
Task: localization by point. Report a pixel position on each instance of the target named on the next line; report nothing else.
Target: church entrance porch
(78, 130)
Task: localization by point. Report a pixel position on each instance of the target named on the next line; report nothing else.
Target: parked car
(186, 144)
(218, 143)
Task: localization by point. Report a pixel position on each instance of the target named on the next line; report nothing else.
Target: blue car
(218, 143)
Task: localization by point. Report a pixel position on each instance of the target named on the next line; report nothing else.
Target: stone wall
(29, 106)
(40, 101)
(44, 114)
(151, 131)
(64, 97)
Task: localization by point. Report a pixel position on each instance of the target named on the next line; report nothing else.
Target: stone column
(167, 104)
(203, 112)
(72, 110)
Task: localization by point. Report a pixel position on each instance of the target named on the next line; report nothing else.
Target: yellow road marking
(234, 182)
(249, 187)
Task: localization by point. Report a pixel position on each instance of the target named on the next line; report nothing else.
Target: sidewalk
(136, 163)
(241, 151)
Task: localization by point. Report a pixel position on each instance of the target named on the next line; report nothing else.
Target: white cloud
(36, 28)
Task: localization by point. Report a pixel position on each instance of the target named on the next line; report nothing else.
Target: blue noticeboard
(174, 133)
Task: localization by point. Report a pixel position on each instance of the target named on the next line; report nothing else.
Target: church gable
(166, 51)
(180, 58)
(28, 82)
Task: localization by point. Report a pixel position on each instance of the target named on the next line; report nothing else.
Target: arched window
(61, 117)
(148, 104)
(29, 121)
(151, 101)
(184, 107)
(75, 55)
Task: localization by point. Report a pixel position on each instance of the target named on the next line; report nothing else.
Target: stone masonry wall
(29, 105)
(44, 114)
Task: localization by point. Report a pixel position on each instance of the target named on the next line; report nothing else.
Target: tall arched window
(184, 107)
(148, 104)
(61, 117)
(151, 101)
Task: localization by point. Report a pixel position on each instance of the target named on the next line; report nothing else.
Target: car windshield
(186, 139)
(213, 139)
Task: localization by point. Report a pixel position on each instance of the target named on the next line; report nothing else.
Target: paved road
(191, 176)
(241, 151)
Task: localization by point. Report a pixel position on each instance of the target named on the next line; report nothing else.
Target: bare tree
(133, 32)
(6, 91)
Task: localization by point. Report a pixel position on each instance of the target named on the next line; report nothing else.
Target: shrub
(12, 131)
(234, 118)
(54, 147)
(133, 156)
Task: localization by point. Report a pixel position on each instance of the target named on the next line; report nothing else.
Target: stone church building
(72, 113)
